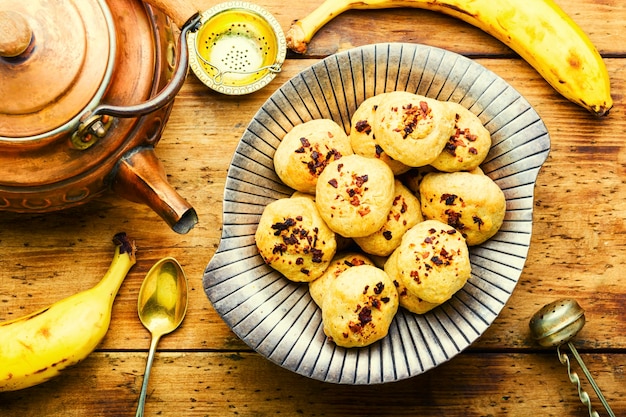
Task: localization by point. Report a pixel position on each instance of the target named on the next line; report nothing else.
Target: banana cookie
(468, 147)
(354, 195)
(412, 129)
(432, 261)
(405, 213)
(359, 306)
(305, 151)
(362, 137)
(406, 298)
(339, 264)
(293, 239)
(468, 201)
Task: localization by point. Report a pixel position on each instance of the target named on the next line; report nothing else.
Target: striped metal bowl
(277, 317)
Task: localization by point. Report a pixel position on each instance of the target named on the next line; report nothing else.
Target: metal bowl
(239, 48)
(278, 318)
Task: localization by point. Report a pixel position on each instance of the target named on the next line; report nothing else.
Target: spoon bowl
(161, 305)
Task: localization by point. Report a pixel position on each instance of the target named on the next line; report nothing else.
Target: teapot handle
(93, 124)
(180, 11)
(188, 19)
(167, 94)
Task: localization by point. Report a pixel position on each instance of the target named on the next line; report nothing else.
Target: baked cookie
(305, 151)
(470, 202)
(359, 306)
(468, 147)
(297, 194)
(293, 239)
(354, 195)
(407, 299)
(343, 243)
(405, 213)
(433, 261)
(414, 176)
(412, 129)
(339, 264)
(362, 136)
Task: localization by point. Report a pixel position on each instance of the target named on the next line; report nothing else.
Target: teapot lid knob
(15, 34)
(56, 58)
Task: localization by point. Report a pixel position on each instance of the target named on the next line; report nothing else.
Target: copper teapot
(86, 88)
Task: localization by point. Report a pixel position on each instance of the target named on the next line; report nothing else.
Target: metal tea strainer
(555, 324)
(239, 48)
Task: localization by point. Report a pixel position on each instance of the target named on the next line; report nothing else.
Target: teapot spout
(140, 177)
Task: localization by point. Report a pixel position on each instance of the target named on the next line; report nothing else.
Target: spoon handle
(146, 376)
(574, 379)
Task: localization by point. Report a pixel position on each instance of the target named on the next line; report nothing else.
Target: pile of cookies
(382, 217)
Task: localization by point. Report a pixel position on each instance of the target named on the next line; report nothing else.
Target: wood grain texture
(578, 249)
(245, 385)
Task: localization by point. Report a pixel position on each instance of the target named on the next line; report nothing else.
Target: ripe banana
(538, 30)
(37, 347)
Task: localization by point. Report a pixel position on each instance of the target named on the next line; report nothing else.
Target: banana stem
(123, 260)
(126, 245)
(301, 31)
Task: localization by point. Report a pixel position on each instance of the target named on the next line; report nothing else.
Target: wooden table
(578, 250)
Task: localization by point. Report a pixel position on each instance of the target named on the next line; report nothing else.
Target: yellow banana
(538, 30)
(37, 347)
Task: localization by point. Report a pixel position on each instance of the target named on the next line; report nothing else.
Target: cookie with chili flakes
(343, 243)
(359, 306)
(405, 213)
(432, 261)
(354, 195)
(306, 149)
(468, 147)
(407, 299)
(293, 239)
(471, 202)
(412, 129)
(362, 137)
(341, 262)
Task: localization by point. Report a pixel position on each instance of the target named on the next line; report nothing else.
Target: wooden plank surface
(578, 249)
(244, 384)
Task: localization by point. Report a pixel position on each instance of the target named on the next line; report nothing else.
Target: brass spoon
(556, 324)
(162, 304)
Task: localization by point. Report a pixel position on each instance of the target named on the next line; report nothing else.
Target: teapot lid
(56, 60)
